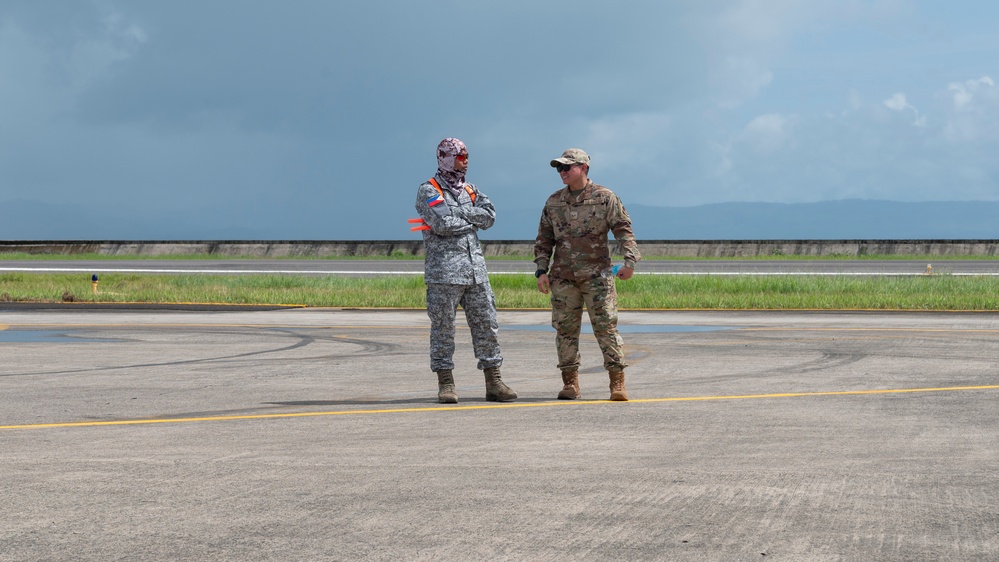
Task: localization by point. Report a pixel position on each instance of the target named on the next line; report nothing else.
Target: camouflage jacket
(576, 233)
(454, 255)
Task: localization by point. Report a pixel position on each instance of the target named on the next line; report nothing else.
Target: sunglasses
(461, 158)
(564, 167)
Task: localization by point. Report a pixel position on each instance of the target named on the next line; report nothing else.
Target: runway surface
(314, 434)
(367, 268)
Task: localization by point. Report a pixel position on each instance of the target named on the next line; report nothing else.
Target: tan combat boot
(571, 389)
(496, 390)
(445, 388)
(617, 386)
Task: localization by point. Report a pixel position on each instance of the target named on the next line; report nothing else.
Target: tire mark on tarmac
(368, 347)
(303, 340)
(829, 359)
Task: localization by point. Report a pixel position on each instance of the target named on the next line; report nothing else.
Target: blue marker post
(93, 282)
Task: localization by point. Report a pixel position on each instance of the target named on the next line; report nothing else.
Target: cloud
(44, 77)
(279, 114)
(623, 139)
(973, 115)
(898, 103)
(963, 93)
(768, 133)
(738, 79)
(854, 100)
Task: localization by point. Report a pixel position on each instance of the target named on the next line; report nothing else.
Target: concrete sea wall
(671, 248)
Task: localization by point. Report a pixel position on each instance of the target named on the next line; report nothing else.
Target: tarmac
(314, 434)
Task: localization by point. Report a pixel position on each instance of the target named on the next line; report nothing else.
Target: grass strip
(705, 292)
(398, 255)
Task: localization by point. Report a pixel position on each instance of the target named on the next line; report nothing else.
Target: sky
(314, 119)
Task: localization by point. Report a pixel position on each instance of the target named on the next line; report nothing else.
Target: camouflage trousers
(600, 298)
(479, 305)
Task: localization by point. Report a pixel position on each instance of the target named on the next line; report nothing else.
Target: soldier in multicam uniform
(455, 271)
(574, 226)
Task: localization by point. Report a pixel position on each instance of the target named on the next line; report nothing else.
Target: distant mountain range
(852, 219)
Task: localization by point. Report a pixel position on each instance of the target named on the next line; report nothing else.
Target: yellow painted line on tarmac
(495, 406)
(828, 393)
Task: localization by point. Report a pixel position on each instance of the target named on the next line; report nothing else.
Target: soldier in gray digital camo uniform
(572, 236)
(455, 271)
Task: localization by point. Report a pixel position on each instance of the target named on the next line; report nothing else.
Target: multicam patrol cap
(572, 156)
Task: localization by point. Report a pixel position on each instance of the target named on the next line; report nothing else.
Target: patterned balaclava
(446, 151)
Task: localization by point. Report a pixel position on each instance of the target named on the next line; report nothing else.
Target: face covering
(446, 151)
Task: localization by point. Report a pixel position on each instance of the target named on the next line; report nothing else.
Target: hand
(543, 285)
(625, 273)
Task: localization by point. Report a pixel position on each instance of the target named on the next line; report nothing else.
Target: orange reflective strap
(468, 188)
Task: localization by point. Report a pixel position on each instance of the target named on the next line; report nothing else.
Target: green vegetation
(22, 256)
(931, 292)
(785, 292)
(398, 255)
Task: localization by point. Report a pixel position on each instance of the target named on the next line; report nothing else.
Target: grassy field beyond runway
(786, 292)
